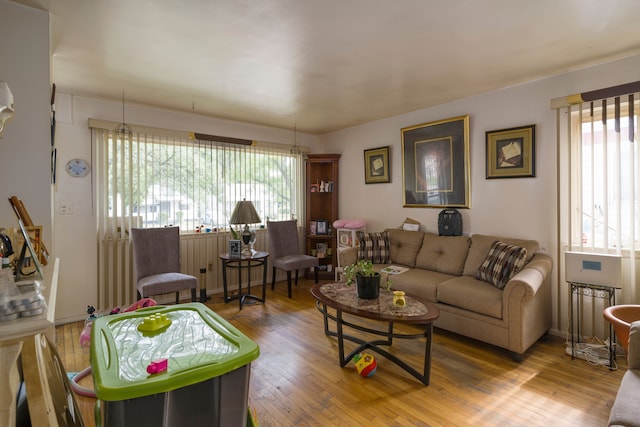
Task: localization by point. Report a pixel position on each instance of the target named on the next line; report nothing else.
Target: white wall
(75, 235)
(25, 143)
(523, 207)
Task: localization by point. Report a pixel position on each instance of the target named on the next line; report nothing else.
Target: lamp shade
(244, 213)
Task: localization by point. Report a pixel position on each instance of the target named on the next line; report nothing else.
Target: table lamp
(245, 213)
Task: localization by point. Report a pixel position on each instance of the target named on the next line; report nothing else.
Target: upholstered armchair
(284, 247)
(156, 256)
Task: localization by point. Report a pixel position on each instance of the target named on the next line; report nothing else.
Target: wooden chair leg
(289, 282)
(193, 294)
(296, 277)
(273, 279)
(177, 297)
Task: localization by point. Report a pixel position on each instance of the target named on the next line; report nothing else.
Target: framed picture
(312, 228)
(322, 226)
(376, 165)
(435, 164)
(235, 248)
(511, 153)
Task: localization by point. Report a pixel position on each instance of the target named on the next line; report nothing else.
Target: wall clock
(77, 167)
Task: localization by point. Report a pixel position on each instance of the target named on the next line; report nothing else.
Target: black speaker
(450, 223)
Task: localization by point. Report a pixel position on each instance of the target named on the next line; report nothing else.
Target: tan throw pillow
(502, 263)
(374, 246)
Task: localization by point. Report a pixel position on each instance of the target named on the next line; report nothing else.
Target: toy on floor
(365, 364)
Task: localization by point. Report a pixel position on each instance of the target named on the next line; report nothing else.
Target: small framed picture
(235, 248)
(322, 226)
(312, 228)
(511, 153)
(376, 165)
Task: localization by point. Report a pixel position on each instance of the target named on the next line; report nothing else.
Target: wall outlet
(66, 208)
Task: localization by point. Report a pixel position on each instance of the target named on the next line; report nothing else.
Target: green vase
(368, 287)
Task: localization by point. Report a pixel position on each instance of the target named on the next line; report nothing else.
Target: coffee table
(343, 299)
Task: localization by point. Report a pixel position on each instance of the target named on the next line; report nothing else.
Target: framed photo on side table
(511, 152)
(235, 248)
(435, 164)
(376, 166)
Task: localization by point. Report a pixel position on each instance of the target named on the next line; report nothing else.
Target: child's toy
(157, 366)
(365, 364)
(154, 323)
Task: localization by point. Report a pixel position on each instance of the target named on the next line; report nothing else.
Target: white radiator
(116, 283)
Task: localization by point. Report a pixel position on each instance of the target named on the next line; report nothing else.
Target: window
(605, 190)
(152, 180)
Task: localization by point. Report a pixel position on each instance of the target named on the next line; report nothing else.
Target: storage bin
(207, 378)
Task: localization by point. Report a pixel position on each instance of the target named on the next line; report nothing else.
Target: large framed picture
(376, 165)
(435, 164)
(511, 152)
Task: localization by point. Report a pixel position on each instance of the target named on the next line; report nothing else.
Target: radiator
(116, 282)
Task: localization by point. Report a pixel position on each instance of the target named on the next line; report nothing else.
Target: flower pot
(368, 287)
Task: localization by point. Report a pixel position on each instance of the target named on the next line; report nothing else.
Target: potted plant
(367, 280)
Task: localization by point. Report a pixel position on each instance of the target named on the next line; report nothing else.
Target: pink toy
(349, 223)
(157, 366)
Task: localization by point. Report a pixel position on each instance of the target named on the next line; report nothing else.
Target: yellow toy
(365, 364)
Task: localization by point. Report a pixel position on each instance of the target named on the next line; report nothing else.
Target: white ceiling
(324, 65)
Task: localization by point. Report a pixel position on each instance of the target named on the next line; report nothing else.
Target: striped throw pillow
(374, 246)
(502, 263)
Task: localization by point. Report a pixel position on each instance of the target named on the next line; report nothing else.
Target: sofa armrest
(633, 355)
(532, 276)
(347, 256)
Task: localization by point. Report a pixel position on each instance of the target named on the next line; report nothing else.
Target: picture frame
(376, 165)
(322, 227)
(510, 153)
(312, 228)
(235, 248)
(435, 164)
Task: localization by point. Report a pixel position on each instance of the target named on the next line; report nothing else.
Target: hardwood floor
(297, 381)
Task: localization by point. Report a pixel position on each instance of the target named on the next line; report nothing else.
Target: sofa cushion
(404, 246)
(374, 246)
(445, 254)
(501, 264)
(470, 294)
(481, 244)
(418, 282)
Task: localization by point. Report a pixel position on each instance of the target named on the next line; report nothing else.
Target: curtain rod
(106, 124)
(594, 95)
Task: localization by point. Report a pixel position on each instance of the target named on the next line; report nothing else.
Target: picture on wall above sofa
(435, 164)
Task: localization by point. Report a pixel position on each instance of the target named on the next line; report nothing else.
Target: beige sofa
(625, 410)
(442, 269)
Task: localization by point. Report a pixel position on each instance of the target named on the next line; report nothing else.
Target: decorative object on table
(511, 152)
(398, 299)
(435, 164)
(235, 248)
(245, 213)
(365, 364)
(449, 223)
(366, 278)
(376, 166)
(7, 109)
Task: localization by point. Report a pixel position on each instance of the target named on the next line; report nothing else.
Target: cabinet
(321, 210)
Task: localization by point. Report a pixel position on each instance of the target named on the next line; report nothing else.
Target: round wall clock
(77, 167)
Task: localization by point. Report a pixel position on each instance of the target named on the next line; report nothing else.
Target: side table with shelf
(594, 291)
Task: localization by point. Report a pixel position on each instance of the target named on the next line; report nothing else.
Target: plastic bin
(207, 378)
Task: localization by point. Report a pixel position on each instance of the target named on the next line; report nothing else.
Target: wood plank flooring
(297, 381)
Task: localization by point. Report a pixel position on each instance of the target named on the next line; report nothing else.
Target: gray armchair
(285, 251)
(156, 256)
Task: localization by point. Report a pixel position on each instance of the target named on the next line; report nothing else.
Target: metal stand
(595, 291)
(203, 286)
